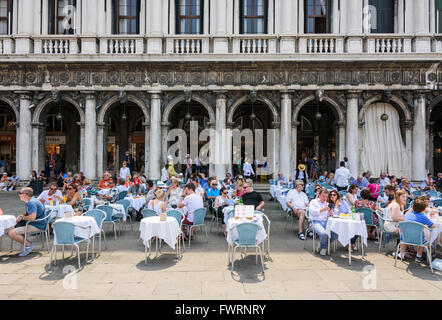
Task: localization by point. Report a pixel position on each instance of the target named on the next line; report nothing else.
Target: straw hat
(301, 167)
(315, 158)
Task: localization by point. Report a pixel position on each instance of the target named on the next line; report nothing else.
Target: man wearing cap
(137, 187)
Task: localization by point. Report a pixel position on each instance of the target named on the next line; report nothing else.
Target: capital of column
(166, 124)
(37, 125)
(24, 95)
(229, 125)
(211, 125)
(89, 94)
(101, 125)
(146, 125)
(276, 125)
(354, 94)
(421, 94)
(285, 95)
(408, 124)
(340, 124)
(295, 124)
(221, 94)
(155, 94)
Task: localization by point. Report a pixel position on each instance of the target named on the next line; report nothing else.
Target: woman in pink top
(374, 190)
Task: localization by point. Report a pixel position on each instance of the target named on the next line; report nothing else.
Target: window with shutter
(126, 17)
(317, 16)
(5, 16)
(189, 16)
(253, 16)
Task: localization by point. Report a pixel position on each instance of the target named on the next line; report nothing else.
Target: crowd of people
(398, 200)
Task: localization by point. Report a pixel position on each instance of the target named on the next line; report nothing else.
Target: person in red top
(106, 182)
(366, 203)
(374, 190)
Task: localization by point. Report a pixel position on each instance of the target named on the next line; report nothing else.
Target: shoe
(301, 236)
(310, 234)
(318, 247)
(27, 250)
(323, 252)
(421, 259)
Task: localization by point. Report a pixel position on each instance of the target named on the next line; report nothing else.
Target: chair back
(247, 234)
(97, 214)
(271, 181)
(198, 216)
(108, 210)
(380, 219)
(437, 202)
(178, 215)
(342, 193)
(432, 194)
(87, 202)
(416, 193)
(125, 203)
(146, 213)
(368, 215)
(122, 195)
(64, 231)
(411, 232)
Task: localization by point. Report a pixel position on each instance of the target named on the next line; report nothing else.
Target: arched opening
(183, 116)
(7, 139)
(436, 136)
(253, 116)
(383, 146)
(124, 132)
(61, 137)
(316, 135)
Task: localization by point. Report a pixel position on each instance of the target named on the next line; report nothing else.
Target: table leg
(328, 248)
(349, 252)
(362, 246)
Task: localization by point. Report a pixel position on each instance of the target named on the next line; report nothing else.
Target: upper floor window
(5, 16)
(189, 16)
(438, 9)
(62, 16)
(253, 16)
(318, 16)
(126, 17)
(383, 22)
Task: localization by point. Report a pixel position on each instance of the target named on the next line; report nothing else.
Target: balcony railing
(305, 44)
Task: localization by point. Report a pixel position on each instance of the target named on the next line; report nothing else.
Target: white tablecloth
(105, 192)
(346, 229)
(232, 232)
(82, 221)
(167, 230)
(118, 209)
(137, 203)
(60, 210)
(283, 202)
(7, 222)
(436, 231)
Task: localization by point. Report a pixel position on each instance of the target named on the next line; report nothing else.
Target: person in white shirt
(121, 185)
(124, 171)
(319, 212)
(248, 170)
(342, 175)
(298, 202)
(191, 201)
(53, 193)
(383, 180)
(198, 189)
(346, 162)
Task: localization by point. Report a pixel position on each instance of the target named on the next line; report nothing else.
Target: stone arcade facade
(281, 89)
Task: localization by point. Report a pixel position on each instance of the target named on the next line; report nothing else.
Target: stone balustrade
(321, 44)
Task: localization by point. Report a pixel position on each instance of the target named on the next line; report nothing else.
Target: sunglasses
(53, 189)
(70, 188)
(333, 195)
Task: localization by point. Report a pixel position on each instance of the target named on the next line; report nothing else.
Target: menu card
(243, 211)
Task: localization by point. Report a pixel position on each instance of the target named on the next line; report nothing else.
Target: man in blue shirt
(417, 215)
(13, 182)
(282, 179)
(366, 179)
(35, 210)
(359, 182)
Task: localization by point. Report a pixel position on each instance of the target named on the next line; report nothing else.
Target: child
(417, 215)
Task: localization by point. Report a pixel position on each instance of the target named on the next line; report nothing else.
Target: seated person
(137, 187)
(150, 191)
(297, 201)
(281, 180)
(113, 195)
(228, 181)
(158, 204)
(213, 192)
(366, 203)
(74, 199)
(198, 189)
(34, 211)
(222, 201)
(13, 182)
(323, 177)
(319, 212)
(4, 181)
(52, 194)
(121, 187)
(191, 201)
(417, 215)
(251, 197)
(106, 182)
(91, 191)
(174, 193)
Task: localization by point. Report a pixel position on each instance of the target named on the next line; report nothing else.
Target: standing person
(251, 197)
(164, 173)
(314, 169)
(197, 165)
(297, 201)
(346, 162)
(188, 171)
(248, 170)
(342, 177)
(124, 171)
(34, 211)
(319, 212)
(300, 174)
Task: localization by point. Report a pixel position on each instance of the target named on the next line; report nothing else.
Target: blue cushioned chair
(198, 221)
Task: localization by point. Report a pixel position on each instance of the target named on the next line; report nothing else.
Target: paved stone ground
(203, 273)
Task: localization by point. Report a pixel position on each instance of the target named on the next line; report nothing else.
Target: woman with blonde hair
(158, 204)
(239, 189)
(174, 193)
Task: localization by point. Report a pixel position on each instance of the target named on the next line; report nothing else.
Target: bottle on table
(353, 213)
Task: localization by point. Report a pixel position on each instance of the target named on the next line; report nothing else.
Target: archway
(436, 137)
(383, 140)
(8, 133)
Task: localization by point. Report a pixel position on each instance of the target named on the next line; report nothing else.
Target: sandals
(301, 236)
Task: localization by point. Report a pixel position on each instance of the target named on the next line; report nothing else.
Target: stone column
(212, 146)
(288, 12)
(44, 17)
(341, 142)
(228, 147)
(276, 148)
(100, 148)
(221, 41)
(82, 146)
(164, 132)
(146, 147)
(422, 42)
(26, 14)
(90, 136)
(155, 139)
(220, 139)
(418, 154)
(285, 134)
(154, 41)
(409, 143)
(24, 142)
(354, 26)
(89, 28)
(37, 150)
(400, 17)
(351, 139)
(294, 150)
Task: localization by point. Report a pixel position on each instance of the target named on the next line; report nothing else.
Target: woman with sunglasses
(174, 193)
(74, 199)
(220, 203)
(339, 206)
